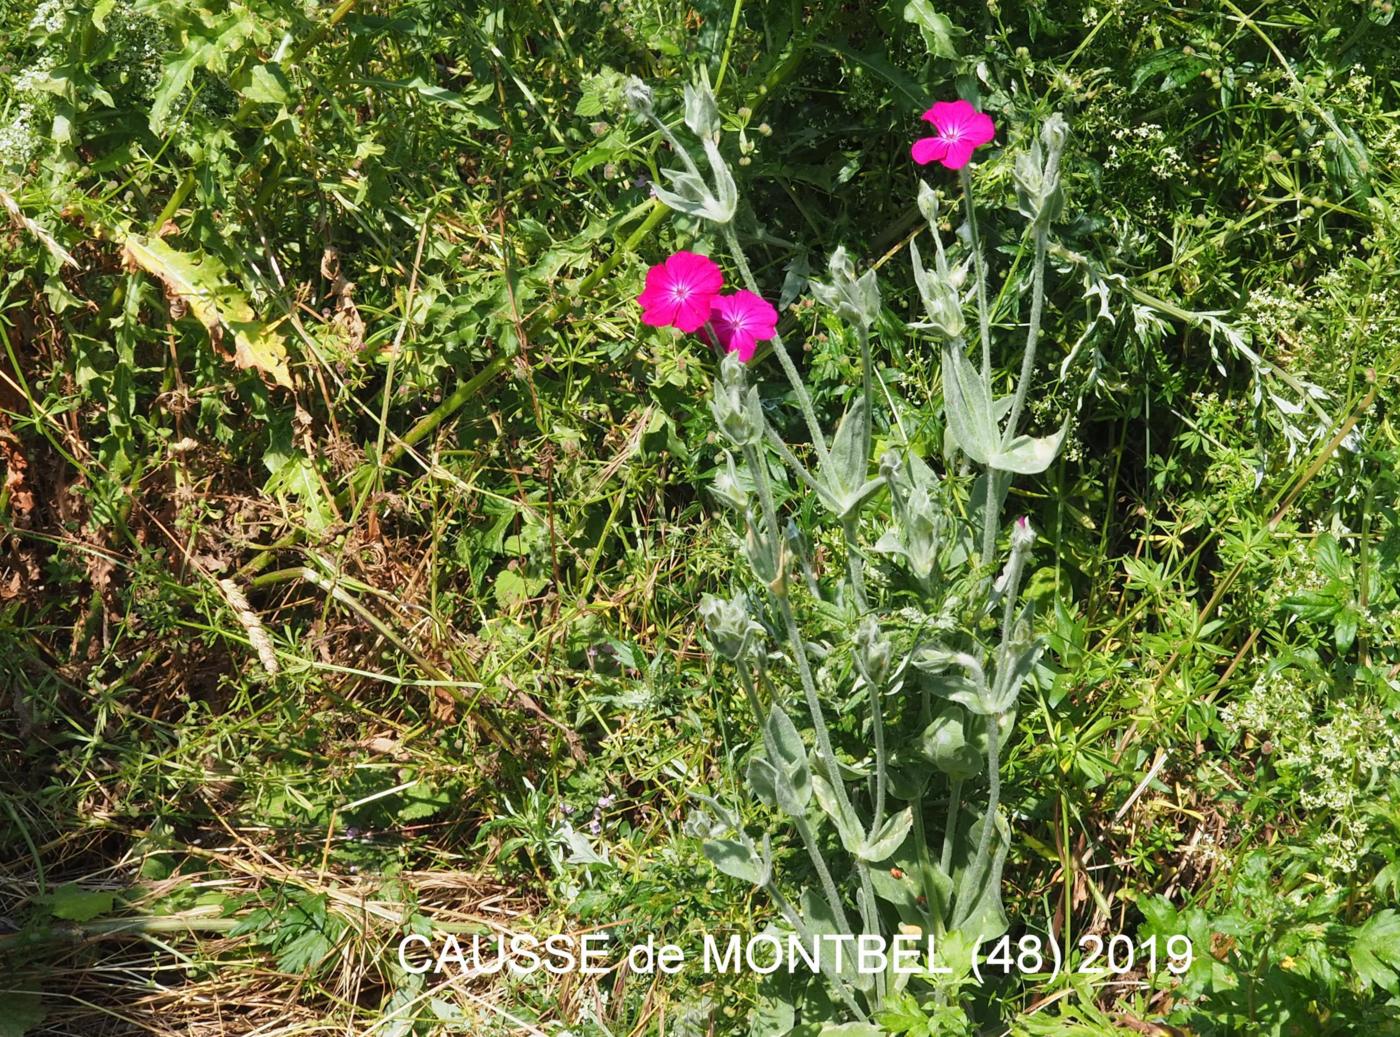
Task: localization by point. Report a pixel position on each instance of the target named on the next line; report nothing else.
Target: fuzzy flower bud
(727, 487)
(735, 406)
(1037, 174)
(874, 652)
(731, 629)
(1022, 534)
(855, 299)
(638, 97)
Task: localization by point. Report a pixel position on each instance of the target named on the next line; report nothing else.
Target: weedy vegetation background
(353, 527)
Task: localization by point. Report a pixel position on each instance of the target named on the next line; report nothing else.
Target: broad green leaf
(936, 29)
(944, 744)
(851, 1030)
(20, 1014)
(736, 860)
(266, 85)
(198, 282)
(1027, 456)
(771, 1017)
(75, 904)
(884, 842)
(969, 407)
(977, 909)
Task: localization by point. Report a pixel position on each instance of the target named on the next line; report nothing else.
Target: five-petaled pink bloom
(961, 130)
(743, 320)
(679, 291)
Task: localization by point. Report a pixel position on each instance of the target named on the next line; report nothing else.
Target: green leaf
(848, 827)
(944, 745)
(977, 911)
(763, 780)
(198, 282)
(848, 462)
(1027, 456)
(936, 29)
(1375, 952)
(883, 843)
(20, 1013)
(786, 746)
(969, 407)
(737, 860)
(771, 1017)
(75, 904)
(266, 85)
(851, 1030)
(1174, 66)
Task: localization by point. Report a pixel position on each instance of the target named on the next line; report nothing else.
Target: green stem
(804, 671)
(843, 989)
(804, 401)
(989, 518)
(989, 820)
(979, 266)
(1032, 336)
(950, 832)
(809, 840)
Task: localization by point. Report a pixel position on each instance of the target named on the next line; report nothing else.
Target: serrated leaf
(1375, 951)
(197, 281)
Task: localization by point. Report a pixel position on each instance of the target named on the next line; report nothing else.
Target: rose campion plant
(912, 796)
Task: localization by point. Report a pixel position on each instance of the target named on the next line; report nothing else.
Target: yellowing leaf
(197, 282)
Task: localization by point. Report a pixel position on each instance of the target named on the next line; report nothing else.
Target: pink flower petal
(929, 149)
(959, 154)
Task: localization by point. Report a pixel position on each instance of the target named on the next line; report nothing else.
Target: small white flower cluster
(1336, 763)
(1146, 144)
(49, 16)
(18, 139)
(1275, 702)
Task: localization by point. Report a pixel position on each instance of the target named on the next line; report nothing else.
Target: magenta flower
(679, 291)
(741, 321)
(962, 129)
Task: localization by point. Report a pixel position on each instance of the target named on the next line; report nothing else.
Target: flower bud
(727, 487)
(873, 653)
(939, 291)
(1022, 534)
(735, 406)
(855, 299)
(701, 111)
(638, 97)
(1036, 173)
(928, 205)
(731, 629)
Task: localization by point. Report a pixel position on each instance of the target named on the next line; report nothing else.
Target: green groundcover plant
(933, 640)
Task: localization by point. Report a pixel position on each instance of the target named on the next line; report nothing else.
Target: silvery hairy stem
(794, 919)
(799, 388)
(804, 671)
(984, 316)
(809, 841)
